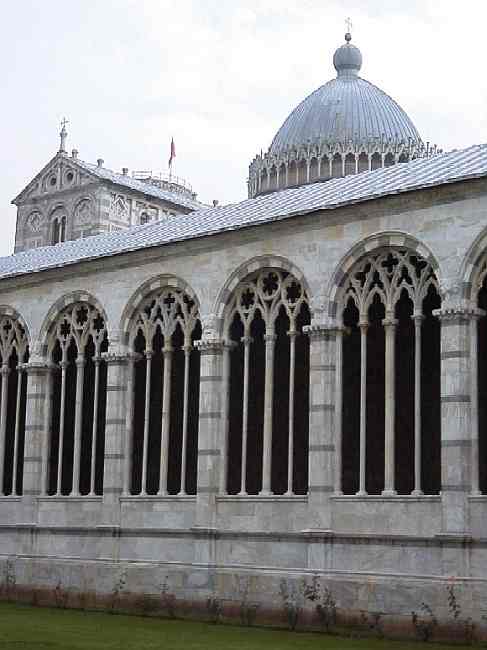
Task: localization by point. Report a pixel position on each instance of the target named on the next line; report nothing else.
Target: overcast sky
(220, 76)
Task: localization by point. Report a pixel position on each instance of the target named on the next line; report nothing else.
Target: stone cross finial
(63, 135)
(348, 24)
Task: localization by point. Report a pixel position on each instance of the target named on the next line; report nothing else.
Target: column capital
(270, 338)
(114, 357)
(459, 313)
(80, 361)
(209, 345)
(390, 322)
(326, 329)
(5, 370)
(39, 366)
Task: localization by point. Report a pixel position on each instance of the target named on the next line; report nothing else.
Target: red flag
(173, 152)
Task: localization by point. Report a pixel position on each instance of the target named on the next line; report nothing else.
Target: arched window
(350, 167)
(14, 353)
(62, 229)
(55, 231)
(480, 286)
(337, 166)
(391, 413)
(376, 162)
(76, 343)
(389, 160)
(166, 405)
(363, 162)
(144, 218)
(269, 385)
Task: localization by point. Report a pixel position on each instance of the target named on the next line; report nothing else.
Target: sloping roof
(139, 186)
(422, 173)
(105, 174)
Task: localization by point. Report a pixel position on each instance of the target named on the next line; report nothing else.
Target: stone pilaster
(322, 450)
(210, 443)
(37, 434)
(456, 421)
(115, 433)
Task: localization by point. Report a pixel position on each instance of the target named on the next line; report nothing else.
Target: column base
(417, 493)
(361, 493)
(389, 493)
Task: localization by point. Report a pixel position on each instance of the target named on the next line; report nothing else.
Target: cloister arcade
(387, 362)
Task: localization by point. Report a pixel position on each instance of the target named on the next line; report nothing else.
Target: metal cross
(64, 122)
(348, 23)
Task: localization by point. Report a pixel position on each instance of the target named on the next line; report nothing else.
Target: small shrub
(61, 596)
(424, 623)
(168, 600)
(372, 622)
(291, 602)
(465, 626)
(118, 588)
(9, 579)
(248, 610)
(215, 609)
(323, 601)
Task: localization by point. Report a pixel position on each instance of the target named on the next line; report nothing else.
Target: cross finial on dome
(348, 25)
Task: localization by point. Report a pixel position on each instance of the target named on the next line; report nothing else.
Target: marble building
(289, 386)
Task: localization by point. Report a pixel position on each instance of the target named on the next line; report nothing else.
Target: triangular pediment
(60, 174)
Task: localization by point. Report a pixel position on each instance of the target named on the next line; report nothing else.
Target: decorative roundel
(34, 221)
(82, 211)
(52, 181)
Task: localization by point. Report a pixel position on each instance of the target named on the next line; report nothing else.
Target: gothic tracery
(166, 393)
(267, 436)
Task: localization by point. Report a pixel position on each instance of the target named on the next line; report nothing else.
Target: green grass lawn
(30, 628)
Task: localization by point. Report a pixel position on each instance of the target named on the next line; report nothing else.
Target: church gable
(59, 175)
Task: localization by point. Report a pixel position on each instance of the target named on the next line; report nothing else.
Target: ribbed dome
(345, 109)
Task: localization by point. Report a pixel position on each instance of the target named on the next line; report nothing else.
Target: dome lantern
(348, 58)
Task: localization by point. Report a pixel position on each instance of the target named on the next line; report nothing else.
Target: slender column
(78, 423)
(270, 342)
(287, 175)
(363, 406)
(129, 424)
(17, 428)
(370, 162)
(308, 168)
(356, 163)
(5, 372)
(145, 446)
(277, 177)
(338, 410)
(319, 166)
(94, 435)
(343, 164)
(47, 423)
(474, 411)
(226, 364)
(184, 446)
(166, 419)
(418, 321)
(245, 412)
(390, 407)
(297, 172)
(292, 376)
(62, 413)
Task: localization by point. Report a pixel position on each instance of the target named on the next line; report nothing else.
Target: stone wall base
(377, 605)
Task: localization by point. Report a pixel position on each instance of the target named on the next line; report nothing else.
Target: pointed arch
(245, 269)
(58, 306)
